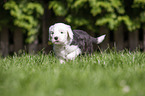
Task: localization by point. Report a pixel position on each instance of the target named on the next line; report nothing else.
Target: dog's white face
(60, 34)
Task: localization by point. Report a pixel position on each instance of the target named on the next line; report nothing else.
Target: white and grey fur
(68, 44)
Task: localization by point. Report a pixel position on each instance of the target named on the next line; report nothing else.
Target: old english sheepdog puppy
(68, 43)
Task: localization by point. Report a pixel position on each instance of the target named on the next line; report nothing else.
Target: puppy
(68, 43)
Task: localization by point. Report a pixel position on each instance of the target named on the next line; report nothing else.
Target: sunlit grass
(107, 74)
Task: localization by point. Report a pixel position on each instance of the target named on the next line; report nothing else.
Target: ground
(102, 74)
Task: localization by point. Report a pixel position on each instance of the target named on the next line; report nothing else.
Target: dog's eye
(52, 32)
(61, 32)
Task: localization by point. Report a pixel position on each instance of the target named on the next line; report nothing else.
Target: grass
(106, 74)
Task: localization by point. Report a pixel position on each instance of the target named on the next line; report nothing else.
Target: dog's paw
(70, 57)
(62, 61)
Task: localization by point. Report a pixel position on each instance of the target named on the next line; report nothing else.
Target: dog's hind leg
(73, 55)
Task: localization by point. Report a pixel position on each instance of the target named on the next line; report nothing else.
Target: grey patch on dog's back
(84, 41)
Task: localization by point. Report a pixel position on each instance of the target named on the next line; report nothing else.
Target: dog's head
(60, 34)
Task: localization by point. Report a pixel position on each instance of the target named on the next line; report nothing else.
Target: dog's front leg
(62, 61)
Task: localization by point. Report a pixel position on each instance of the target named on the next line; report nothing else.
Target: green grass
(106, 74)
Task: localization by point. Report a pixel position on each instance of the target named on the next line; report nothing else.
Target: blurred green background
(89, 14)
(33, 17)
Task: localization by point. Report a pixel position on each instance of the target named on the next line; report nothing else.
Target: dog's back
(84, 41)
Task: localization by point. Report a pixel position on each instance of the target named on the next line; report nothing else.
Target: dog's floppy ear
(50, 30)
(70, 33)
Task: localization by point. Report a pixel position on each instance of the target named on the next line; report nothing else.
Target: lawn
(102, 74)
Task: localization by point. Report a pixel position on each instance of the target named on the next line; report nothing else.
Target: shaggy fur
(84, 41)
(69, 44)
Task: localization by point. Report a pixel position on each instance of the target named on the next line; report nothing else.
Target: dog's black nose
(55, 38)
